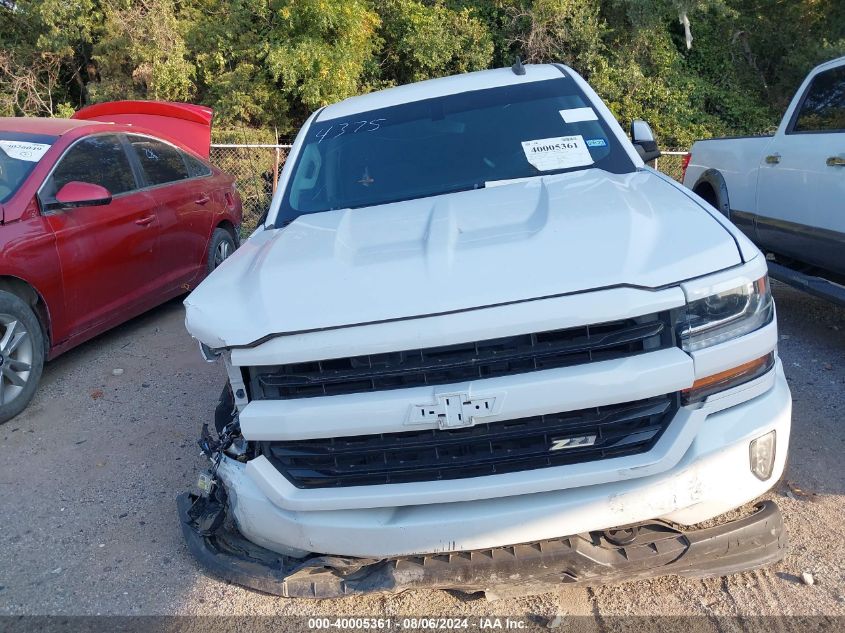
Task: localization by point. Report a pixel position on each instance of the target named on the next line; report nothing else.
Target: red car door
(184, 207)
(107, 253)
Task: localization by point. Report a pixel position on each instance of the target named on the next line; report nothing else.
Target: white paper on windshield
(22, 150)
(576, 115)
(558, 152)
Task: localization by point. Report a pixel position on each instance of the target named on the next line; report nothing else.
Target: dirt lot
(89, 475)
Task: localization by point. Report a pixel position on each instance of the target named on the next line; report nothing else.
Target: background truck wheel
(712, 187)
(21, 355)
(222, 245)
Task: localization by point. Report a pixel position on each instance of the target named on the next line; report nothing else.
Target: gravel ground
(90, 471)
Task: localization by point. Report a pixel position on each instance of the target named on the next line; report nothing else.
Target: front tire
(21, 355)
(221, 246)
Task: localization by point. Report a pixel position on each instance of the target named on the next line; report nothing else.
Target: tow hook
(622, 536)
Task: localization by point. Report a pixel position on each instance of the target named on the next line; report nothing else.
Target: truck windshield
(446, 144)
(19, 154)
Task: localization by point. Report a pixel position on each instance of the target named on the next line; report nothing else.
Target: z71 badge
(563, 443)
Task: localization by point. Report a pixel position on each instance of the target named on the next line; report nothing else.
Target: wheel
(709, 196)
(711, 186)
(21, 355)
(221, 246)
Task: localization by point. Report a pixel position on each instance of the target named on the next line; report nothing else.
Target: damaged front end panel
(647, 549)
(635, 552)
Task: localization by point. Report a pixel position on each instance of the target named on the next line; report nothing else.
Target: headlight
(726, 315)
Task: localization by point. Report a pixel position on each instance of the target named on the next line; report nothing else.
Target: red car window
(196, 167)
(161, 162)
(98, 159)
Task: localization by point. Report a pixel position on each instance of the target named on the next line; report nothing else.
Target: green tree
(270, 63)
(567, 31)
(68, 29)
(42, 44)
(693, 68)
(141, 53)
(421, 41)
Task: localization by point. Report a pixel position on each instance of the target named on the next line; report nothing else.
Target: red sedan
(102, 217)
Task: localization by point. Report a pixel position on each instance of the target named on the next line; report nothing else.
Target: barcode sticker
(21, 150)
(559, 152)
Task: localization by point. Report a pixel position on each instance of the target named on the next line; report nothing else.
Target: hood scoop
(511, 242)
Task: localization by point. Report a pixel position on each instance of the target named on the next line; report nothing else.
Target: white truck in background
(787, 191)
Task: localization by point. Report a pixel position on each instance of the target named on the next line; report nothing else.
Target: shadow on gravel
(812, 349)
(122, 336)
(92, 468)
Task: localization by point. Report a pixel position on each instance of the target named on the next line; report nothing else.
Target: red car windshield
(19, 154)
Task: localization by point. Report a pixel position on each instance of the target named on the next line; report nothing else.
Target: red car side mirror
(81, 194)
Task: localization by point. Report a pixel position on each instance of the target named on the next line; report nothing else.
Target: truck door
(801, 184)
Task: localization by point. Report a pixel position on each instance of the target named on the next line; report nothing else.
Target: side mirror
(80, 194)
(643, 139)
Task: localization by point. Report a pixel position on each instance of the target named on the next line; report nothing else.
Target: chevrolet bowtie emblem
(452, 410)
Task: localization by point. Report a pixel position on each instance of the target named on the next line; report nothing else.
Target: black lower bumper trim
(650, 549)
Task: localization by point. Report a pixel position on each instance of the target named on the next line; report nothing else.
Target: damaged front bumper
(644, 550)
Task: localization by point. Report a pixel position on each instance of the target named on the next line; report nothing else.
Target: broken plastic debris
(800, 492)
(205, 483)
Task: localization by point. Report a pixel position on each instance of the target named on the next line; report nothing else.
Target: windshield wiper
(443, 192)
(376, 203)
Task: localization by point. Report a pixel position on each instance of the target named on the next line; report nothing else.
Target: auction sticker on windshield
(577, 115)
(21, 150)
(558, 152)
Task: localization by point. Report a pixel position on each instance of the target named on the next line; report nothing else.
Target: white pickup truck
(478, 344)
(787, 191)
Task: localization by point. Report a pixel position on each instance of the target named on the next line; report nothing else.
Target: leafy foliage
(421, 41)
(694, 68)
(141, 41)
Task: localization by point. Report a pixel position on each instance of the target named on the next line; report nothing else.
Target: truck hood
(517, 241)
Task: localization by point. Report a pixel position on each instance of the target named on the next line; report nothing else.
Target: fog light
(761, 453)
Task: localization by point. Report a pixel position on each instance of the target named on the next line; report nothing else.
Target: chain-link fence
(256, 167)
(671, 163)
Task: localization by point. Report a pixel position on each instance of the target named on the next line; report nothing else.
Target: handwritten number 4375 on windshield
(353, 128)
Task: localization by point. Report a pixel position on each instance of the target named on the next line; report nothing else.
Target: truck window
(823, 109)
(450, 143)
